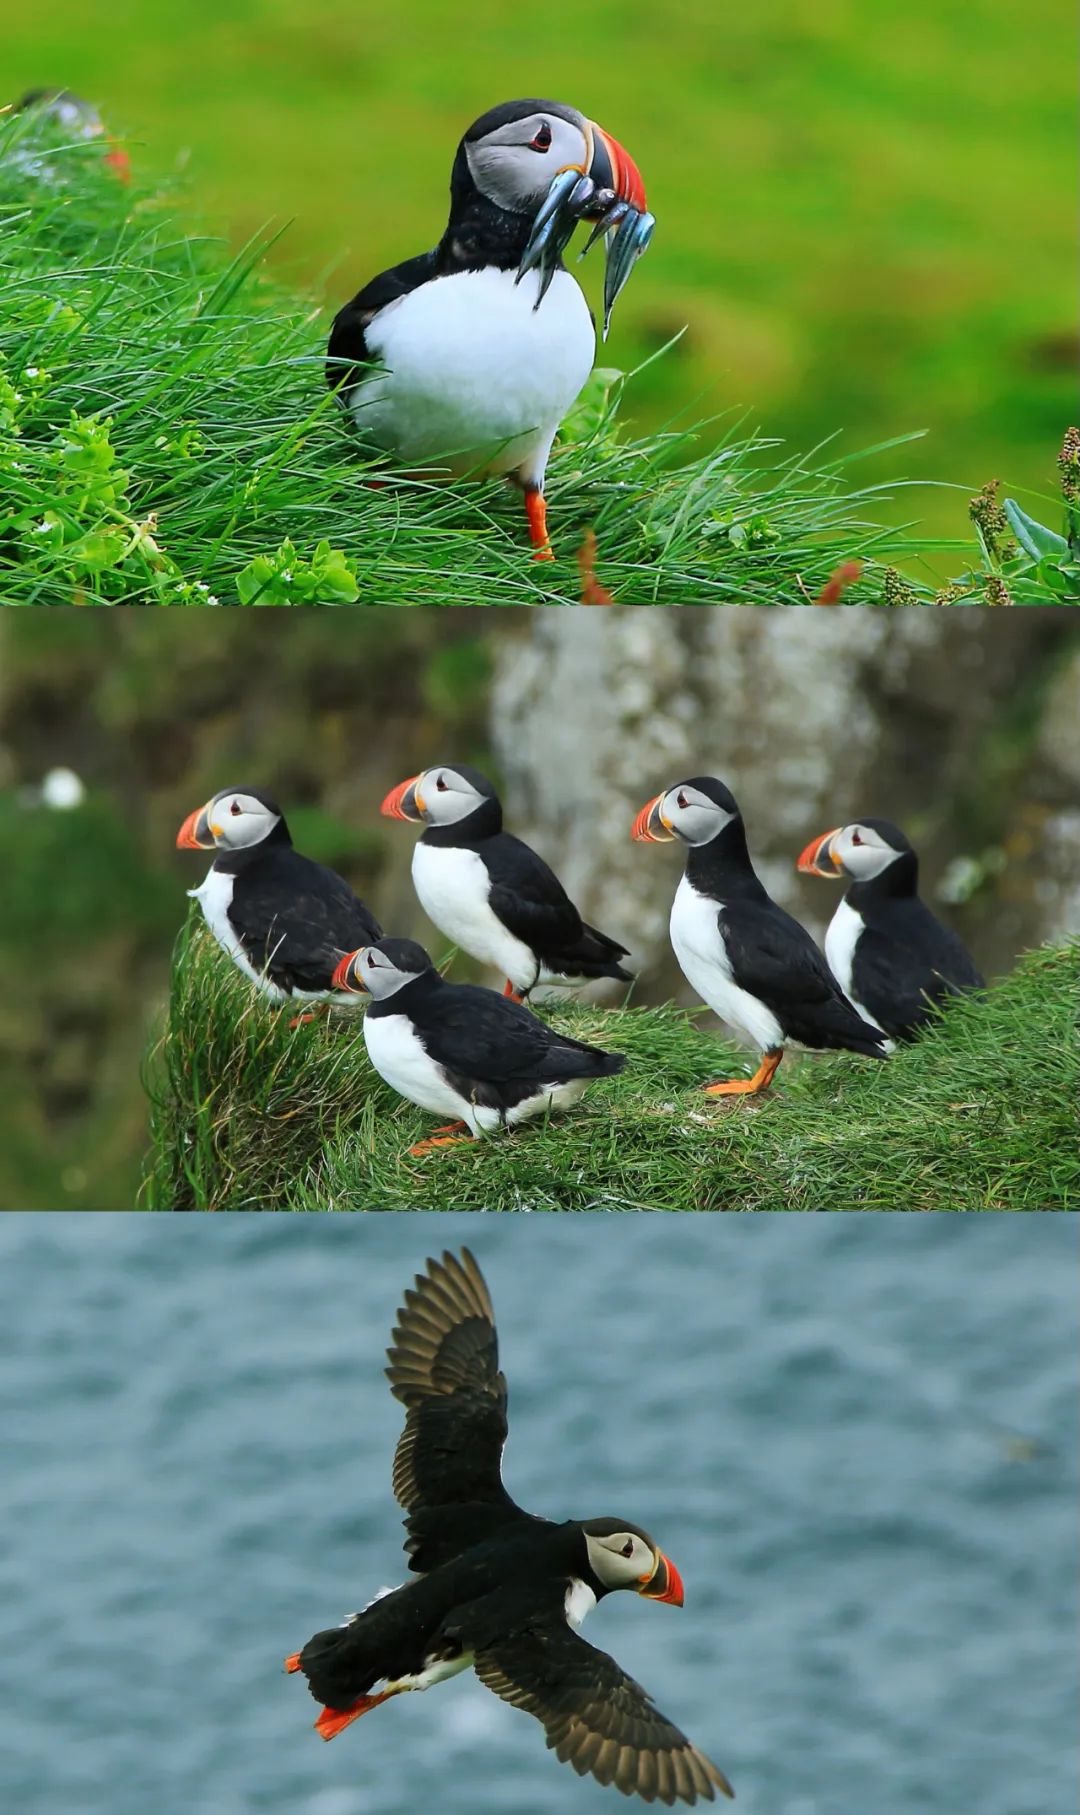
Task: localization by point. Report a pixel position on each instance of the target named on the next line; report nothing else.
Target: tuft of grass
(166, 437)
(980, 1114)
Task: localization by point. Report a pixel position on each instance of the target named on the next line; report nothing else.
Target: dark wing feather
(348, 349)
(531, 902)
(775, 959)
(903, 971)
(595, 1716)
(487, 1042)
(444, 1367)
(296, 918)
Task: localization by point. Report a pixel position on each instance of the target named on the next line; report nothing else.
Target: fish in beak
(650, 826)
(817, 859)
(346, 977)
(665, 1583)
(196, 833)
(609, 192)
(403, 802)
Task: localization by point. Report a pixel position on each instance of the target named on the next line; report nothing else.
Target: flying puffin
(495, 1587)
(465, 369)
(891, 956)
(463, 1050)
(755, 966)
(489, 893)
(284, 920)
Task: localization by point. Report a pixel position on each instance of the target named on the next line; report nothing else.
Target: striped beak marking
(665, 1583)
(404, 801)
(196, 833)
(609, 191)
(818, 858)
(650, 826)
(346, 975)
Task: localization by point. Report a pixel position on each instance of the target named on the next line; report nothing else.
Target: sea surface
(855, 1435)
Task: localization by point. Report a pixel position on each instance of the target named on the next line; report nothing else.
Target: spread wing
(444, 1367)
(595, 1716)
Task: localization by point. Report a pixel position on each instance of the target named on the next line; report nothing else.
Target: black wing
(775, 959)
(296, 918)
(348, 348)
(595, 1716)
(489, 1044)
(531, 902)
(444, 1367)
(901, 972)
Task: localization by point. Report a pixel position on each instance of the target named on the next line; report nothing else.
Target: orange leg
(515, 995)
(592, 593)
(334, 1720)
(536, 511)
(440, 1140)
(749, 1087)
(314, 1014)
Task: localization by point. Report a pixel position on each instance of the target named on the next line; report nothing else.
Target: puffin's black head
(442, 797)
(696, 811)
(233, 820)
(860, 851)
(620, 1555)
(381, 970)
(512, 153)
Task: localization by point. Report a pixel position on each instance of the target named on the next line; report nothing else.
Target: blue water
(854, 1435)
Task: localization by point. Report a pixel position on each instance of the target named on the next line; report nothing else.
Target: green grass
(166, 437)
(867, 212)
(980, 1114)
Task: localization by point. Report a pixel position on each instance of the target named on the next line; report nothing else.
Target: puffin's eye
(682, 800)
(236, 807)
(628, 1548)
(440, 786)
(855, 839)
(542, 141)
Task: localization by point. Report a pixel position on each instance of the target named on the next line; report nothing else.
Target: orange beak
(622, 175)
(817, 859)
(665, 1583)
(401, 802)
(650, 827)
(343, 975)
(195, 834)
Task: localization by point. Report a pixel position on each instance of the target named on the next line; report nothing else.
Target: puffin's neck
(232, 863)
(479, 233)
(484, 821)
(410, 998)
(898, 881)
(722, 868)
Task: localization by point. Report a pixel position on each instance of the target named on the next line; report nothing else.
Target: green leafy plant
(283, 578)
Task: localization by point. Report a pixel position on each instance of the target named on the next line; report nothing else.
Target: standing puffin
(495, 1587)
(449, 358)
(462, 1050)
(491, 894)
(891, 956)
(284, 920)
(755, 966)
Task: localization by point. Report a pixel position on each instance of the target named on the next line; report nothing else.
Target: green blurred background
(866, 208)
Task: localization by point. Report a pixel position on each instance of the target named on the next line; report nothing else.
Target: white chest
(843, 935)
(697, 943)
(475, 373)
(452, 887)
(580, 1601)
(214, 896)
(399, 1057)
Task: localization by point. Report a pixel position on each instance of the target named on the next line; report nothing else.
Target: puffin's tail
(574, 1059)
(595, 955)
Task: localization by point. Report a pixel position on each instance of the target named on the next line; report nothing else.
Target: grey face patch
(692, 816)
(447, 796)
(514, 165)
(238, 820)
(862, 852)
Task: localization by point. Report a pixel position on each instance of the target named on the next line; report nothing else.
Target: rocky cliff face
(960, 725)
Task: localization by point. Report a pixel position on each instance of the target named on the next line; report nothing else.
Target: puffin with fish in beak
(494, 1587)
(468, 357)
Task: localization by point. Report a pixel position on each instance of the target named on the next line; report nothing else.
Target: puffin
(893, 958)
(284, 920)
(494, 1587)
(468, 356)
(463, 1050)
(751, 962)
(490, 893)
(68, 114)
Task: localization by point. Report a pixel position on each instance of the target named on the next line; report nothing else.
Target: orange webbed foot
(748, 1087)
(439, 1140)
